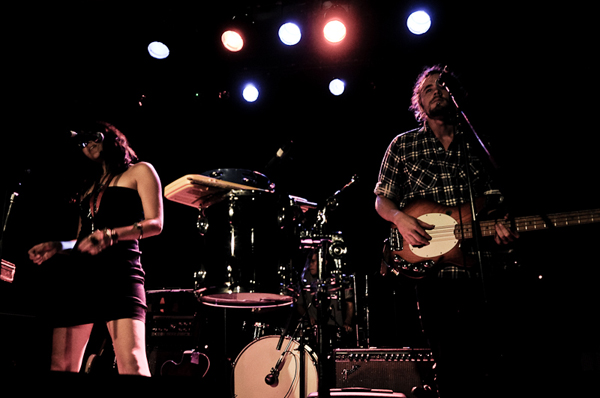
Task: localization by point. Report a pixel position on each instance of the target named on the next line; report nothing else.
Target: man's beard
(444, 111)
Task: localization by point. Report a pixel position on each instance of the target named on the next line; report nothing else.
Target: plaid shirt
(416, 166)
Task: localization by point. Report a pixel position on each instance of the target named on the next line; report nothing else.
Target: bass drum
(257, 359)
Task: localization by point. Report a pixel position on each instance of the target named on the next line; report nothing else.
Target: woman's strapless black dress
(109, 285)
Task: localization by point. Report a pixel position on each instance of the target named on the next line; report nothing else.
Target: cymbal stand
(321, 290)
(321, 241)
(322, 318)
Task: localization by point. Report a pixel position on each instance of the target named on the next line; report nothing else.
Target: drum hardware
(321, 289)
(333, 199)
(259, 329)
(243, 197)
(337, 249)
(202, 223)
(333, 244)
(241, 219)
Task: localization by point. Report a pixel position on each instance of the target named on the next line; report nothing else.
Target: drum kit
(252, 237)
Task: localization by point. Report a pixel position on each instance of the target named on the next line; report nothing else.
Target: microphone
(280, 155)
(272, 378)
(442, 79)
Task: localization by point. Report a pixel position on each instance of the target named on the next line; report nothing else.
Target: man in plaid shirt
(429, 163)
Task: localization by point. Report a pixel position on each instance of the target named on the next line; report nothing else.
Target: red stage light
(232, 41)
(334, 31)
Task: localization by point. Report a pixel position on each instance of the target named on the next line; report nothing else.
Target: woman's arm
(144, 179)
(150, 191)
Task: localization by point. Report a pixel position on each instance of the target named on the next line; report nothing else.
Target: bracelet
(140, 228)
(111, 234)
(114, 236)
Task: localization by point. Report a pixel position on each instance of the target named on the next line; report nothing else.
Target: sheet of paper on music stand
(195, 190)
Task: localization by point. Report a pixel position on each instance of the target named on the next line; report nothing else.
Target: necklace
(96, 197)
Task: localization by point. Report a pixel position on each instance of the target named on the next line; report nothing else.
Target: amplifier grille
(396, 369)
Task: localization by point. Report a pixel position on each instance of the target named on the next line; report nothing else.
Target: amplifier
(171, 318)
(172, 326)
(397, 369)
(359, 393)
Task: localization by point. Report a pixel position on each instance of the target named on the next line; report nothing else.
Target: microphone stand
(272, 377)
(475, 219)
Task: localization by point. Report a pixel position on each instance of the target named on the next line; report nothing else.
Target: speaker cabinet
(396, 369)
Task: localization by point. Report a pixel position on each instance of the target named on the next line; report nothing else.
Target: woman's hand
(96, 242)
(44, 251)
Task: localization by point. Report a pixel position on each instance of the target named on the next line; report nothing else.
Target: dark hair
(116, 152)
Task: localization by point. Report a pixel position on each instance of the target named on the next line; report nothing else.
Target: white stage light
(418, 22)
(158, 50)
(289, 34)
(337, 87)
(250, 93)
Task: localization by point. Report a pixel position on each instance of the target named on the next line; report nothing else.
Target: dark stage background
(532, 85)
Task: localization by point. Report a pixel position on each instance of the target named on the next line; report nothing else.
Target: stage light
(232, 41)
(250, 93)
(337, 87)
(158, 50)
(418, 22)
(334, 31)
(336, 22)
(290, 34)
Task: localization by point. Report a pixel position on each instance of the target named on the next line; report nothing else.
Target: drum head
(255, 362)
(246, 300)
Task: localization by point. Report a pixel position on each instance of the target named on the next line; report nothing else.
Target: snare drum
(256, 360)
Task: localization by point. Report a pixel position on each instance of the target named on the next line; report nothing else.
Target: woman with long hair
(102, 279)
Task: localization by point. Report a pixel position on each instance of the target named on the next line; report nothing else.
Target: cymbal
(304, 204)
